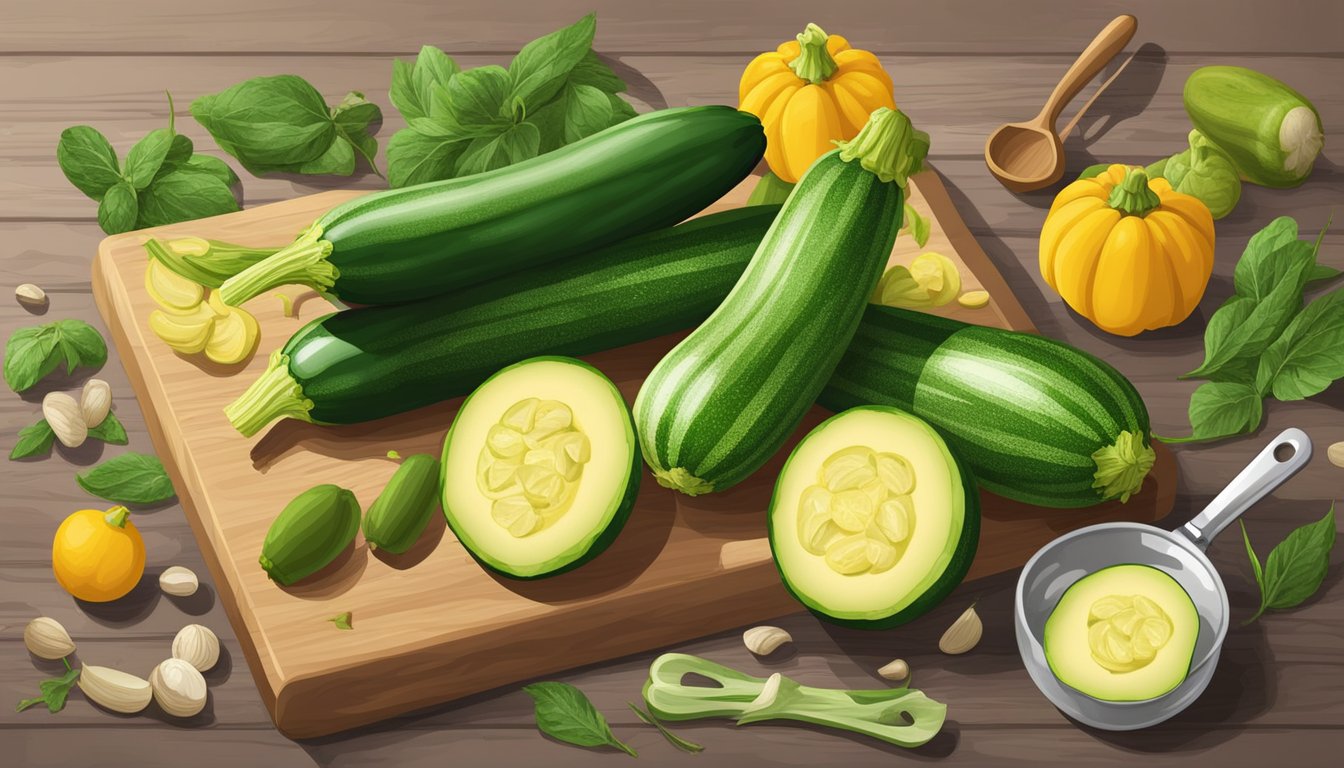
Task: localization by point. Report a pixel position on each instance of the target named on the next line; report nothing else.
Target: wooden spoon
(1027, 156)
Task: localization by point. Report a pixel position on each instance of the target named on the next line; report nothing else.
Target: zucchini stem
(678, 479)
(302, 262)
(207, 262)
(274, 395)
(1122, 466)
(1131, 196)
(117, 516)
(813, 62)
(888, 145)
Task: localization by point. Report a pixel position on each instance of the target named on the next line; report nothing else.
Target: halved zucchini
(874, 520)
(540, 467)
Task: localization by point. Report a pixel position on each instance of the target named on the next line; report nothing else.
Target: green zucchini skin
(644, 174)
(363, 364)
(1026, 413)
(309, 533)
(399, 515)
(722, 402)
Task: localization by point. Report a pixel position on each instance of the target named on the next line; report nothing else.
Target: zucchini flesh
(415, 242)
(363, 364)
(722, 402)
(1037, 421)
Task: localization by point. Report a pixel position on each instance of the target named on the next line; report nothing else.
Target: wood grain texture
(652, 583)
(955, 27)
(962, 67)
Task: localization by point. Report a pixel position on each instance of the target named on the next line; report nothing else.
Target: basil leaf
(1251, 325)
(415, 158)
(268, 122)
(35, 351)
(591, 70)
(1223, 409)
(147, 156)
(110, 431)
(542, 66)
(33, 441)
(179, 154)
(770, 190)
(83, 345)
(1321, 273)
(343, 620)
(118, 210)
(1261, 266)
(564, 713)
(1092, 171)
(621, 110)
(1296, 567)
(513, 145)
(29, 356)
(131, 478)
(402, 93)
(53, 691)
(1307, 357)
(433, 70)
(213, 166)
(587, 111)
(352, 118)
(88, 160)
(476, 97)
(918, 226)
(185, 195)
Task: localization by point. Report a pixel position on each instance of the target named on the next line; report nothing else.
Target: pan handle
(1265, 473)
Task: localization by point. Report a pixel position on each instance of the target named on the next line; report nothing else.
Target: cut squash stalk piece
(234, 335)
(171, 290)
(186, 331)
(931, 280)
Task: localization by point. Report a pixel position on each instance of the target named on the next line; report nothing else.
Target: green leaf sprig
(161, 182)
(1295, 567)
(555, 92)
(565, 714)
(1262, 342)
(35, 351)
(343, 620)
(131, 478)
(38, 439)
(54, 691)
(685, 745)
(282, 124)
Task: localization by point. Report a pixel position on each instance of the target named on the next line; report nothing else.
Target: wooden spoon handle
(1092, 60)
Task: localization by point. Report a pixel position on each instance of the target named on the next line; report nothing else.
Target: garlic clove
(95, 402)
(964, 634)
(30, 295)
(178, 581)
(765, 640)
(178, 688)
(47, 639)
(1335, 453)
(115, 690)
(895, 670)
(66, 419)
(197, 646)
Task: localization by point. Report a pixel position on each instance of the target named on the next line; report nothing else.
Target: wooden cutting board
(431, 625)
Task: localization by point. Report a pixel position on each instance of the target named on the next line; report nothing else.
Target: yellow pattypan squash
(98, 556)
(809, 94)
(1127, 253)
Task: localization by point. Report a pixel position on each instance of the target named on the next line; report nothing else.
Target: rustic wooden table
(960, 69)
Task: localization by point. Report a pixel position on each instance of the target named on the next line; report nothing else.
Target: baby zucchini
(309, 533)
(415, 242)
(404, 508)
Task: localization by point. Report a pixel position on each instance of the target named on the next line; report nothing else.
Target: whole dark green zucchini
(721, 403)
(404, 244)
(363, 364)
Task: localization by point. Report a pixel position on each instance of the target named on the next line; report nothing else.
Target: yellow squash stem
(207, 262)
(813, 63)
(273, 396)
(1132, 196)
(303, 262)
(1121, 467)
(888, 146)
(117, 516)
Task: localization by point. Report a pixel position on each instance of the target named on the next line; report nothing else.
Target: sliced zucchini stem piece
(275, 394)
(303, 262)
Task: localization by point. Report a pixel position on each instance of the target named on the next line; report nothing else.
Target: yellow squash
(98, 556)
(1127, 253)
(809, 94)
